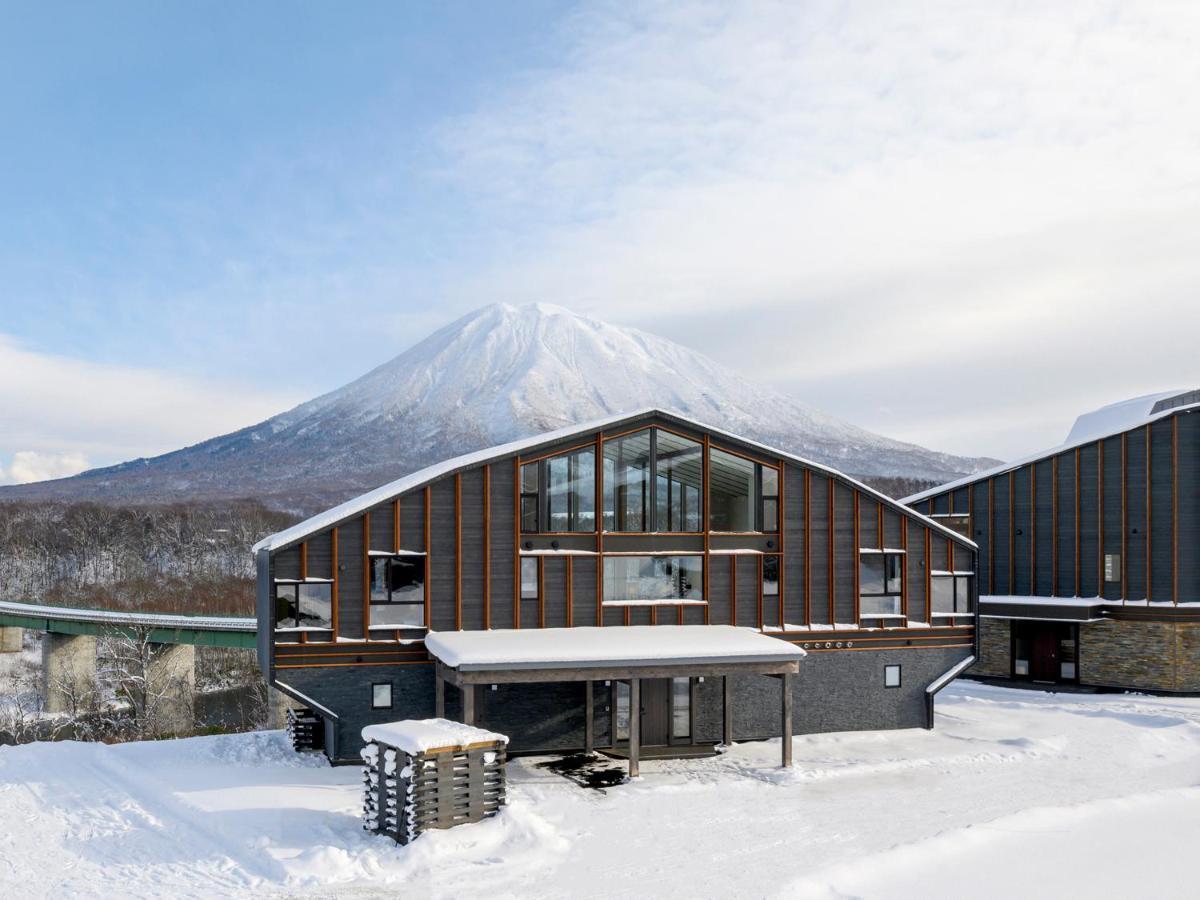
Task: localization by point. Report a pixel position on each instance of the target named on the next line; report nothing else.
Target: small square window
(381, 696)
(891, 676)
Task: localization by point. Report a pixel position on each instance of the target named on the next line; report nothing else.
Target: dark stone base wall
(995, 648)
(1157, 656)
(833, 692)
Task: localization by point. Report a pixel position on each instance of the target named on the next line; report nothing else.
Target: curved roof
(420, 478)
(1105, 422)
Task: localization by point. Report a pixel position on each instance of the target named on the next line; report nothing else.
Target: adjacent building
(1089, 553)
(566, 590)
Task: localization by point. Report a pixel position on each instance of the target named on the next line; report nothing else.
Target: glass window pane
(529, 578)
(878, 605)
(627, 482)
(381, 696)
(529, 513)
(891, 676)
(286, 613)
(943, 593)
(962, 594)
(680, 470)
(892, 571)
(398, 615)
(653, 578)
(770, 482)
(770, 576)
(731, 492)
(379, 581)
(529, 478)
(558, 491)
(681, 707)
(315, 603)
(870, 573)
(621, 692)
(583, 491)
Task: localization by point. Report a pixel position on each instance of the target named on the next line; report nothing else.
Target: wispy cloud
(911, 214)
(61, 414)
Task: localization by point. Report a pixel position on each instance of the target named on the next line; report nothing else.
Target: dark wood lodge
(1090, 552)
(641, 520)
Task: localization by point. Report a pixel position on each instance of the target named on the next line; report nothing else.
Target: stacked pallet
(305, 729)
(431, 773)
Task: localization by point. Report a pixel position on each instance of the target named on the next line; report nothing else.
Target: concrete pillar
(68, 669)
(10, 639)
(172, 677)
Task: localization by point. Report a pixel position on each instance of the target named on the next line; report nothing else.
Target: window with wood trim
(770, 576)
(529, 577)
(398, 591)
(303, 605)
(653, 580)
(743, 495)
(951, 593)
(558, 494)
(879, 582)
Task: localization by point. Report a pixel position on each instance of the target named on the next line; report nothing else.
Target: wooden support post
(589, 724)
(785, 684)
(726, 711)
(439, 695)
(468, 703)
(635, 724)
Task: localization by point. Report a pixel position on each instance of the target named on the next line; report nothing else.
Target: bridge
(69, 647)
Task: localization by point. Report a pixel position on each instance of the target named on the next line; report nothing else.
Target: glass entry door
(666, 713)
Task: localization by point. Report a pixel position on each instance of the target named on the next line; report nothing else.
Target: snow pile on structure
(415, 736)
(593, 646)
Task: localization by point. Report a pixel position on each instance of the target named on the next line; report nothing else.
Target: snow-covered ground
(1016, 794)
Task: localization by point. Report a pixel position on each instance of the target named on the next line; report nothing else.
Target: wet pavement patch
(587, 771)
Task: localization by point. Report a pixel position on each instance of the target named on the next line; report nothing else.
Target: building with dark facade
(646, 525)
(1089, 553)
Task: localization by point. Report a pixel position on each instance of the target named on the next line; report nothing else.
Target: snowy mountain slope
(498, 374)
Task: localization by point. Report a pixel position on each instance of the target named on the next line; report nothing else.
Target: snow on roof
(1105, 422)
(364, 502)
(593, 647)
(415, 736)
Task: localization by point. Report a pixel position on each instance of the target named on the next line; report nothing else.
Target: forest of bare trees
(186, 558)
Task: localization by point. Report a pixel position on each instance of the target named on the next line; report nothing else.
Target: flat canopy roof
(1050, 609)
(592, 653)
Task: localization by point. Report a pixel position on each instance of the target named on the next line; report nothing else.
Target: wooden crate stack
(406, 793)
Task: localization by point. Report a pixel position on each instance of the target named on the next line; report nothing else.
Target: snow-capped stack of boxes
(430, 773)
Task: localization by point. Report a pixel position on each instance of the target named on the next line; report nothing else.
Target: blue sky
(914, 216)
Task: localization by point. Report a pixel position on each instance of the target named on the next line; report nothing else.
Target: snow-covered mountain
(499, 373)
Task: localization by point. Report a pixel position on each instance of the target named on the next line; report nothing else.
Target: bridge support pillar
(172, 676)
(68, 670)
(10, 639)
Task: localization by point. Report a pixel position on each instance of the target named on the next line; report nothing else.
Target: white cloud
(949, 207)
(63, 413)
(30, 465)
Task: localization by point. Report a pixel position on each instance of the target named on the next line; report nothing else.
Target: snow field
(1015, 793)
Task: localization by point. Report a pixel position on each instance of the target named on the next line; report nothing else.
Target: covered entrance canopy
(628, 653)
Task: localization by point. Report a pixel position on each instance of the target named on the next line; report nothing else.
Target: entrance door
(656, 712)
(1044, 664)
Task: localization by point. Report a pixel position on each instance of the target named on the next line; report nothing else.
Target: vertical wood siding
(350, 579)
(1135, 494)
(1162, 511)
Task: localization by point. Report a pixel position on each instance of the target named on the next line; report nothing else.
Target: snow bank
(593, 646)
(415, 736)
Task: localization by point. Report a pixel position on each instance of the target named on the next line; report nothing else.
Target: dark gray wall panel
(819, 606)
(915, 576)
(554, 583)
(350, 579)
(845, 554)
(443, 557)
(1189, 507)
(1001, 534)
(412, 521)
(793, 558)
(320, 555)
(1136, 528)
(502, 546)
(1089, 521)
(1044, 529)
(286, 563)
(1111, 479)
(941, 504)
(939, 553)
(960, 501)
(981, 516)
(381, 527)
(868, 522)
(583, 590)
(719, 587)
(891, 528)
(1022, 531)
(1162, 512)
(747, 590)
(1065, 583)
(471, 502)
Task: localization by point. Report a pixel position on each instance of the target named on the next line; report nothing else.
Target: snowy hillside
(500, 373)
(1015, 794)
